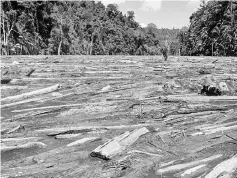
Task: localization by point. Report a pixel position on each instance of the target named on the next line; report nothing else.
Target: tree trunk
(61, 33)
(59, 47)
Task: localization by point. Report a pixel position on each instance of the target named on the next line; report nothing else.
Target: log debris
(118, 144)
(20, 97)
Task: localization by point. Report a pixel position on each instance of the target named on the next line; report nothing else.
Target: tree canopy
(76, 27)
(212, 30)
(90, 28)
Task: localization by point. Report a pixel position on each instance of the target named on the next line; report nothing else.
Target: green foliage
(90, 28)
(212, 30)
(77, 27)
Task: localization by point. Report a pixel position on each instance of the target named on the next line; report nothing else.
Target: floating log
(20, 102)
(24, 146)
(198, 98)
(193, 171)
(30, 94)
(143, 152)
(15, 129)
(30, 72)
(5, 81)
(118, 144)
(58, 131)
(47, 107)
(19, 141)
(187, 165)
(67, 136)
(84, 140)
(226, 168)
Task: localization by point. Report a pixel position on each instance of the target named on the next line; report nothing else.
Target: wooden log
(24, 146)
(118, 144)
(221, 129)
(30, 94)
(15, 129)
(67, 136)
(143, 152)
(5, 81)
(226, 168)
(192, 172)
(198, 98)
(179, 167)
(9, 87)
(20, 102)
(58, 131)
(84, 140)
(48, 107)
(19, 141)
(30, 72)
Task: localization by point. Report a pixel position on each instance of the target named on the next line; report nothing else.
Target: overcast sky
(163, 13)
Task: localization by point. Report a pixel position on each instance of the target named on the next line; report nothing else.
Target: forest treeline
(90, 28)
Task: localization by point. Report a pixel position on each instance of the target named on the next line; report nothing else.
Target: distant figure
(165, 50)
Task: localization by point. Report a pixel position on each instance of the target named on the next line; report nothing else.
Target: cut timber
(192, 172)
(30, 72)
(118, 144)
(58, 131)
(187, 165)
(67, 136)
(47, 107)
(19, 141)
(143, 152)
(21, 102)
(198, 98)
(5, 81)
(30, 94)
(226, 167)
(24, 146)
(15, 129)
(84, 140)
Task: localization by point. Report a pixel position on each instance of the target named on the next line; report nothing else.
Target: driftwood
(198, 98)
(47, 107)
(30, 94)
(21, 102)
(30, 72)
(84, 140)
(187, 165)
(192, 172)
(67, 136)
(5, 81)
(15, 129)
(225, 168)
(143, 152)
(118, 144)
(24, 146)
(58, 131)
(19, 141)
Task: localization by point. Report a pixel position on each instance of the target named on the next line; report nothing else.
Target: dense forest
(90, 28)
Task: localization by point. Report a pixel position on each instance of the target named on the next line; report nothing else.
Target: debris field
(118, 116)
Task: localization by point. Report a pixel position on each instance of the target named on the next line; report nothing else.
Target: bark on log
(226, 167)
(30, 94)
(118, 144)
(187, 165)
